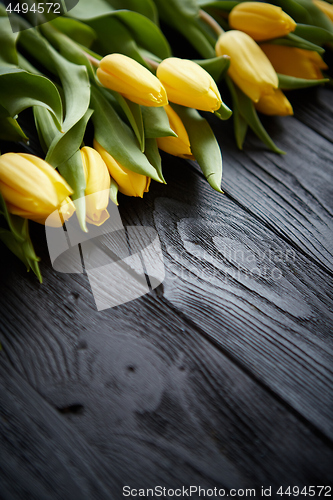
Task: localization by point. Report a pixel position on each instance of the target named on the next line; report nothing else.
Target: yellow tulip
(249, 67)
(177, 146)
(274, 104)
(295, 62)
(129, 183)
(325, 7)
(33, 189)
(132, 80)
(97, 186)
(262, 21)
(188, 84)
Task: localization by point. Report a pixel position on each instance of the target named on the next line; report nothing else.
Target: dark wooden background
(222, 376)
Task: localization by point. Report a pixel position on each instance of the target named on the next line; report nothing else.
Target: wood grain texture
(314, 108)
(251, 292)
(291, 194)
(222, 376)
(135, 395)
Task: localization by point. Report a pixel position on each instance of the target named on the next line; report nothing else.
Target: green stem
(210, 21)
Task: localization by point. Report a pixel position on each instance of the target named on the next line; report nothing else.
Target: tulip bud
(188, 84)
(177, 146)
(129, 183)
(325, 7)
(274, 104)
(295, 62)
(132, 80)
(33, 189)
(261, 21)
(249, 67)
(97, 186)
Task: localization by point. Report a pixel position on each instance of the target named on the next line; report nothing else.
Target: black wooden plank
(292, 193)
(314, 108)
(264, 303)
(134, 395)
(222, 377)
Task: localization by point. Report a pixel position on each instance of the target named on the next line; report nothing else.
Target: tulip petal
(129, 183)
(131, 79)
(188, 84)
(249, 67)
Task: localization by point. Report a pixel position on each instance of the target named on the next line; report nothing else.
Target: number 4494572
(46, 7)
(311, 491)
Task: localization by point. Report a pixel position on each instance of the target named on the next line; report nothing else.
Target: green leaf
(145, 7)
(292, 40)
(224, 5)
(113, 36)
(186, 8)
(114, 192)
(122, 30)
(45, 127)
(20, 90)
(23, 63)
(86, 9)
(76, 86)
(295, 10)
(290, 82)
(216, 67)
(240, 129)
(17, 239)
(133, 113)
(9, 219)
(59, 146)
(154, 157)
(24, 251)
(145, 33)
(314, 34)
(184, 17)
(8, 53)
(204, 145)
(156, 123)
(72, 76)
(73, 172)
(195, 35)
(317, 17)
(74, 29)
(240, 124)
(124, 108)
(117, 138)
(10, 130)
(69, 49)
(65, 145)
(248, 112)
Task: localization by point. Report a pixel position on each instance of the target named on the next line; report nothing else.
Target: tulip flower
(129, 183)
(325, 7)
(249, 67)
(188, 84)
(33, 189)
(261, 21)
(177, 146)
(295, 62)
(132, 80)
(274, 104)
(97, 186)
